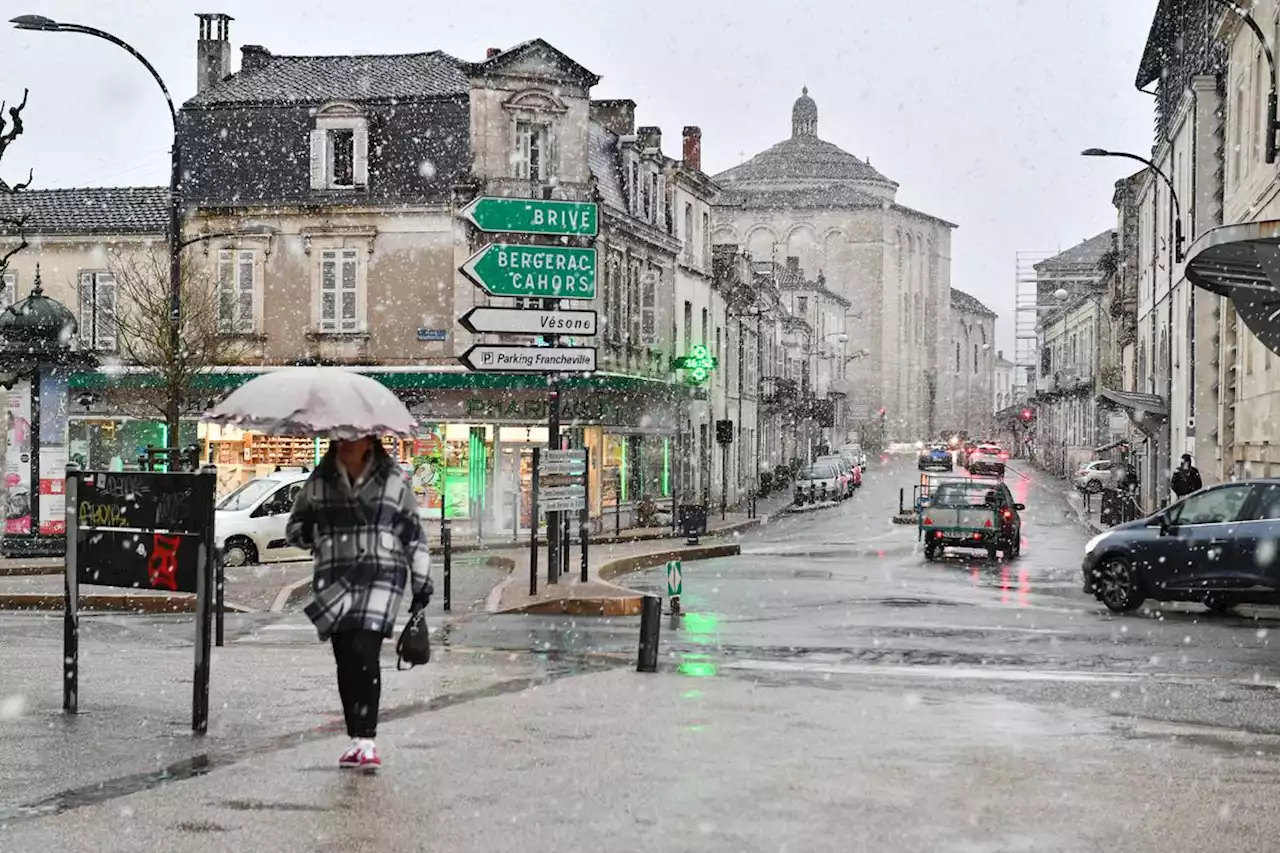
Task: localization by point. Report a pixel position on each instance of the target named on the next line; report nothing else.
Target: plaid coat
(367, 545)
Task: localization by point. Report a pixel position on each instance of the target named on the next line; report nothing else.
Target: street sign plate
(547, 272)
(675, 578)
(525, 321)
(562, 469)
(552, 493)
(561, 504)
(513, 359)
(534, 216)
(564, 456)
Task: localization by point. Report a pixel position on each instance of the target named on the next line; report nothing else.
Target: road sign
(534, 216)
(512, 359)
(548, 272)
(552, 493)
(525, 321)
(675, 578)
(562, 504)
(563, 469)
(579, 456)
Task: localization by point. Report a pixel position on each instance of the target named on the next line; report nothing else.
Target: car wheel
(931, 551)
(1116, 584)
(1017, 544)
(993, 553)
(1219, 604)
(239, 551)
(1093, 486)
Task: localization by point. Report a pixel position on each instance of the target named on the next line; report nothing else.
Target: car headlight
(1094, 542)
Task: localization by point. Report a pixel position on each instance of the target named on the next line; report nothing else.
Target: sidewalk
(1087, 508)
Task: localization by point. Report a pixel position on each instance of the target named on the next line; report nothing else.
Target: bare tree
(9, 131)
(141, 324)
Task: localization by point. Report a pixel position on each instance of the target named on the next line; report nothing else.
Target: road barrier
(650, 627)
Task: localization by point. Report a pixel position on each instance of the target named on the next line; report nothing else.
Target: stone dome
(806, 170)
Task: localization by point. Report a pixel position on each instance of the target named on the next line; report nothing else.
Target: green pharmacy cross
(697, 365)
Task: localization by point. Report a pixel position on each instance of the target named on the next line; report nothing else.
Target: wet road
(828, 688)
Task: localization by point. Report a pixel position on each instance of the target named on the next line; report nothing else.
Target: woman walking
(358, 517)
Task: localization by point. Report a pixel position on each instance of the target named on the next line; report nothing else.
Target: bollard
(446, 543)
(650, 614)
(902, 496)
(220, 586)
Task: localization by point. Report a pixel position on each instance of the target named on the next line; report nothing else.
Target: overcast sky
(978, 108)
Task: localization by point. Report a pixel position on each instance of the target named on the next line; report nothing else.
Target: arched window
(975, 358)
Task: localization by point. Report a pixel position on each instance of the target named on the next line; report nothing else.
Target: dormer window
(535, 116)
(340, 148)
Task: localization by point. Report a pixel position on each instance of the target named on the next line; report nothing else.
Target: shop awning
(395, 378)
(1147, 411)
(1242, 262)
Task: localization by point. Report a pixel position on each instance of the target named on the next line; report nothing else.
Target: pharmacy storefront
(472, 459)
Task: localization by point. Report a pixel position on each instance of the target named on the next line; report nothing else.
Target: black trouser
(359, 679)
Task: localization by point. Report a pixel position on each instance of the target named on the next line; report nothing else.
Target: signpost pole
(71, 604)
(446, 536)
(220, 585)
(553, 442)
(585, 521)
(204, 594)
(533, 526)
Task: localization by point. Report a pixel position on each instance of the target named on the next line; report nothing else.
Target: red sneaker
(369, 760)
(351, 758)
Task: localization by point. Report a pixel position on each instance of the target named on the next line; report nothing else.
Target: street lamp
(1177, 222)
(40, 23)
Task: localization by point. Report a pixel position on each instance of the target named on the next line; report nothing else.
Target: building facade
(807, 199)
(971, 372)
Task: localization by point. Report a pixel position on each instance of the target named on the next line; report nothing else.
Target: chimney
(693, 148)
(649, 137)
(213, 50)
(253, 57)
(492, 52)
(617, 116)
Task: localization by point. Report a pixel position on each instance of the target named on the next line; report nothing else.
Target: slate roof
(969, 303)
(603, 161)
(91, 210)
(801, 159)
(316, 79)
(1085, 254)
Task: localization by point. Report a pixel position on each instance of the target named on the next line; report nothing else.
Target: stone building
(808, 199)
(972, 372)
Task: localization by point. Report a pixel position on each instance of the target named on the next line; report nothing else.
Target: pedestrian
(358, 517)
(1186, 479)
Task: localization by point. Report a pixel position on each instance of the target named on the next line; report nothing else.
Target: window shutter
(319, 159)
(9, 295)
(360, 156)
(327, 319)
(104, 310)
(226, 293)
(350, 295)
(85, 309)
(246, 294)
(649, 308)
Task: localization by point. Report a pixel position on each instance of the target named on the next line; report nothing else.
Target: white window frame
(232, 287)
(10, 293)
(526, 131)
(99, 328)
(650, 283)
(343, 259)
(330, 119)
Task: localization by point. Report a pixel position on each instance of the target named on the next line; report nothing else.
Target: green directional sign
(549, 272)
(534, 216)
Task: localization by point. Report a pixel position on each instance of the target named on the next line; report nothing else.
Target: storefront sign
(589, 410)
(53, 453)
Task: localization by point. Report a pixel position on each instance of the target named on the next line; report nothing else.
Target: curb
(130, 603)
(626, 602)
(30, 571)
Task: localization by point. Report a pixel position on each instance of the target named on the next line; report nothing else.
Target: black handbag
(414, 646)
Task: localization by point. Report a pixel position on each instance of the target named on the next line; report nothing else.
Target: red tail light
(987, 523)
(1008, 514)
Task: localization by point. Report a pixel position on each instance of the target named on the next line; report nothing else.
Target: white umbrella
(329, 402)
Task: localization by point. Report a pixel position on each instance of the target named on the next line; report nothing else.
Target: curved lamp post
(40, 23)
(1177, 208)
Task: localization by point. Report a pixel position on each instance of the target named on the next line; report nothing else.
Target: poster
(17, 458)
(53, 452)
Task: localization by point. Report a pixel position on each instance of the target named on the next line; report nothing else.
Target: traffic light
(1027, 415)
(882, 412)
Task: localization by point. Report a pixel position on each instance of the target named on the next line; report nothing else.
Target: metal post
(71, 604)
(617, 511)
(446, 542)
(204, 596)
(650, 614)
(585, 520)
(220, 584)
(553, 443)
(724, 479)
(902, 494)
(533, 527)
(33, 495)
(173, 407)
(566, 541)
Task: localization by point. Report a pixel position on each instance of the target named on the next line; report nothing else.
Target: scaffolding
(1026, 318)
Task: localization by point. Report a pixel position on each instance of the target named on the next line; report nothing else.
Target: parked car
(249, 523)
(857, 454)
(966, 450)
(816, 483)
(986, 459)
(1217, 547)
(1092, 476)
(849, 479)
(936, 456)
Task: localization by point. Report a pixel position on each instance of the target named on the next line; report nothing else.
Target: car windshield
(819, 472)
(247, 495)
(957, 495)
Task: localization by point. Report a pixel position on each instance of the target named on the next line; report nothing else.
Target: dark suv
(1217, 546)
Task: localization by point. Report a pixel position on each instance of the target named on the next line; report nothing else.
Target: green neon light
(622, 470)
(666, 467)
